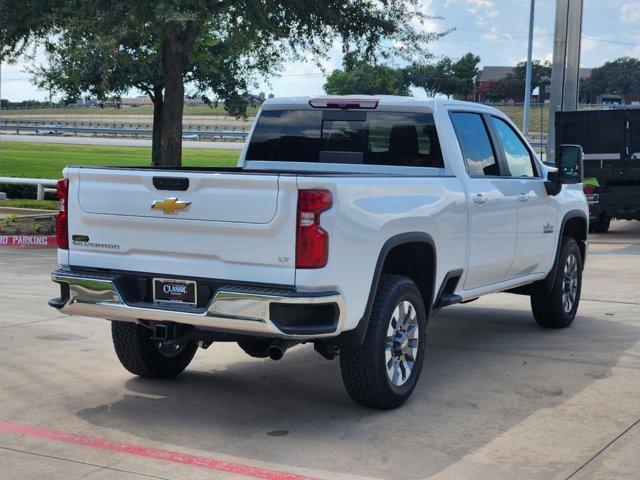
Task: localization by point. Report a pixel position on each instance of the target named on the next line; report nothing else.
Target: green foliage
(215, 50)
(464, 71)
(367, 79)
(446, 76)
(9, 219)
(620, 76)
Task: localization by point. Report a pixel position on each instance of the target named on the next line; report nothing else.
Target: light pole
(566, 65)
(527, 82)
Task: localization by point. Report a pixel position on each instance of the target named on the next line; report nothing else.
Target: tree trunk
(176, 48)
(156, 136)
(172, 70)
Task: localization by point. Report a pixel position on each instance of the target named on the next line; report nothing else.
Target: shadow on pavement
(486, 370)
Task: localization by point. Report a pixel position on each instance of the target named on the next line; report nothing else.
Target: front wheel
(384, 370)
(557, 308)
(147, 357)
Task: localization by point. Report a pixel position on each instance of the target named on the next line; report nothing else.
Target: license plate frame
(175, 291)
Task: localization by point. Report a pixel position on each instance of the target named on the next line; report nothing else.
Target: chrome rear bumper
(233, 308)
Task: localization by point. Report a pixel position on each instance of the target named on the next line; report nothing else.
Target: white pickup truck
(347, 222)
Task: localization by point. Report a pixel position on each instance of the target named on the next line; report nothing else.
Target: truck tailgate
(225, 225)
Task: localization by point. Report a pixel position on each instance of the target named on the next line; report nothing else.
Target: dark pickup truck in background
(611, 143)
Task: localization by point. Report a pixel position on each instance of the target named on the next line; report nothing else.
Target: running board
(449, 299)
(446, 296)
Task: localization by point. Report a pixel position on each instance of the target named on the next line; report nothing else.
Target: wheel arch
(418, 246)
(575, 224)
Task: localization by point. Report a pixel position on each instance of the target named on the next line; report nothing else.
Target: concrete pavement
(499, 397)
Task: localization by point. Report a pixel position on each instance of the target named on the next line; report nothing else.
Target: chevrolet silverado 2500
(347, 222)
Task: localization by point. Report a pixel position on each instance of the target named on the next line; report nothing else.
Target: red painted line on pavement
(158, 454)
(28, 241)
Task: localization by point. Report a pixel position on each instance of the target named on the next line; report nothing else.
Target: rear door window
(349, 137)
(475, 144)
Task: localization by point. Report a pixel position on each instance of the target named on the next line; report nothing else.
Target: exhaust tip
(275, 352)
(278, 348)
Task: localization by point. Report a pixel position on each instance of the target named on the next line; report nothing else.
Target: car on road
(346, 224)
(52, 129)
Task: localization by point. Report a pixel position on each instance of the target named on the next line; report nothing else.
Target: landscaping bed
(14, 222)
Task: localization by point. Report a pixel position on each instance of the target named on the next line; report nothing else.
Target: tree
(464, 71)
(365, 78)
(446, 77)
(620, 77)
(214, 48)
(433, 78)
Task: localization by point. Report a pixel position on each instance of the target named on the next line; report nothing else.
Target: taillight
(62, 222)
(312, 242)
(589, 189)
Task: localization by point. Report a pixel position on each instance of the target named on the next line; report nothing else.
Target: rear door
(221, 225)
(492, 197)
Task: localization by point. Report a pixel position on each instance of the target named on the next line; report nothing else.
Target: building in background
(490, 76)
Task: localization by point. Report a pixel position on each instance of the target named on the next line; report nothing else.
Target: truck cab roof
(384, 102)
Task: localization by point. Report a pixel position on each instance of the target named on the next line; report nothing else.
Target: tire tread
(547, 305)
(136, 352)
(360, 373)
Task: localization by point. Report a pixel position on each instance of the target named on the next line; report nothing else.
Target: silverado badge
(170, 205)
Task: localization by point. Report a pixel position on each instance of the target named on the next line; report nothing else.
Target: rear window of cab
(346, 137)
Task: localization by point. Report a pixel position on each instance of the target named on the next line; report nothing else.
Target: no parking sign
(28, 241)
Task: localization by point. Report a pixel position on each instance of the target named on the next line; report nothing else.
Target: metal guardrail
(40, 183)
(118, 131)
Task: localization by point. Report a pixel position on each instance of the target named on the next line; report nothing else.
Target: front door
(537, 212)
(493, 207)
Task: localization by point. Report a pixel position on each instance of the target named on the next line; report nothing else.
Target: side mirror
(569, 162)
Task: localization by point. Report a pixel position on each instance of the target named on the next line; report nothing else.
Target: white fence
(43, 185)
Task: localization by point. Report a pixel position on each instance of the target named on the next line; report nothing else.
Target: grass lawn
(28, 203)
(46, 160)
(538, 116)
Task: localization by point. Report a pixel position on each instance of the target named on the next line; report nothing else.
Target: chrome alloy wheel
(401, 346)
(570, 283)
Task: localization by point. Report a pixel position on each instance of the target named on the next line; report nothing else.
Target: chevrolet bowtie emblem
(170, 205)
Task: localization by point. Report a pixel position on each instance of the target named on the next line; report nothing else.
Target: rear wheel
(384, 370)
(144, 356)
(601, 225)
(557, 308)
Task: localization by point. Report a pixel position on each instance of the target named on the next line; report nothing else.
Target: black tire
(143, 356)
(549, 307)
(601, 226)
(364, 368)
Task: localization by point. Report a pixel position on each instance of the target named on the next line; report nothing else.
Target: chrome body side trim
(232, 309)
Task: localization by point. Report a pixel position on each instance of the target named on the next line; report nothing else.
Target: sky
(496, 30)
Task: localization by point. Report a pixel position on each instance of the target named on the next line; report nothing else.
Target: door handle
(523, 197)
(479, 199)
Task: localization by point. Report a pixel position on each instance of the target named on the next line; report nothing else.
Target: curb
(28, 241)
